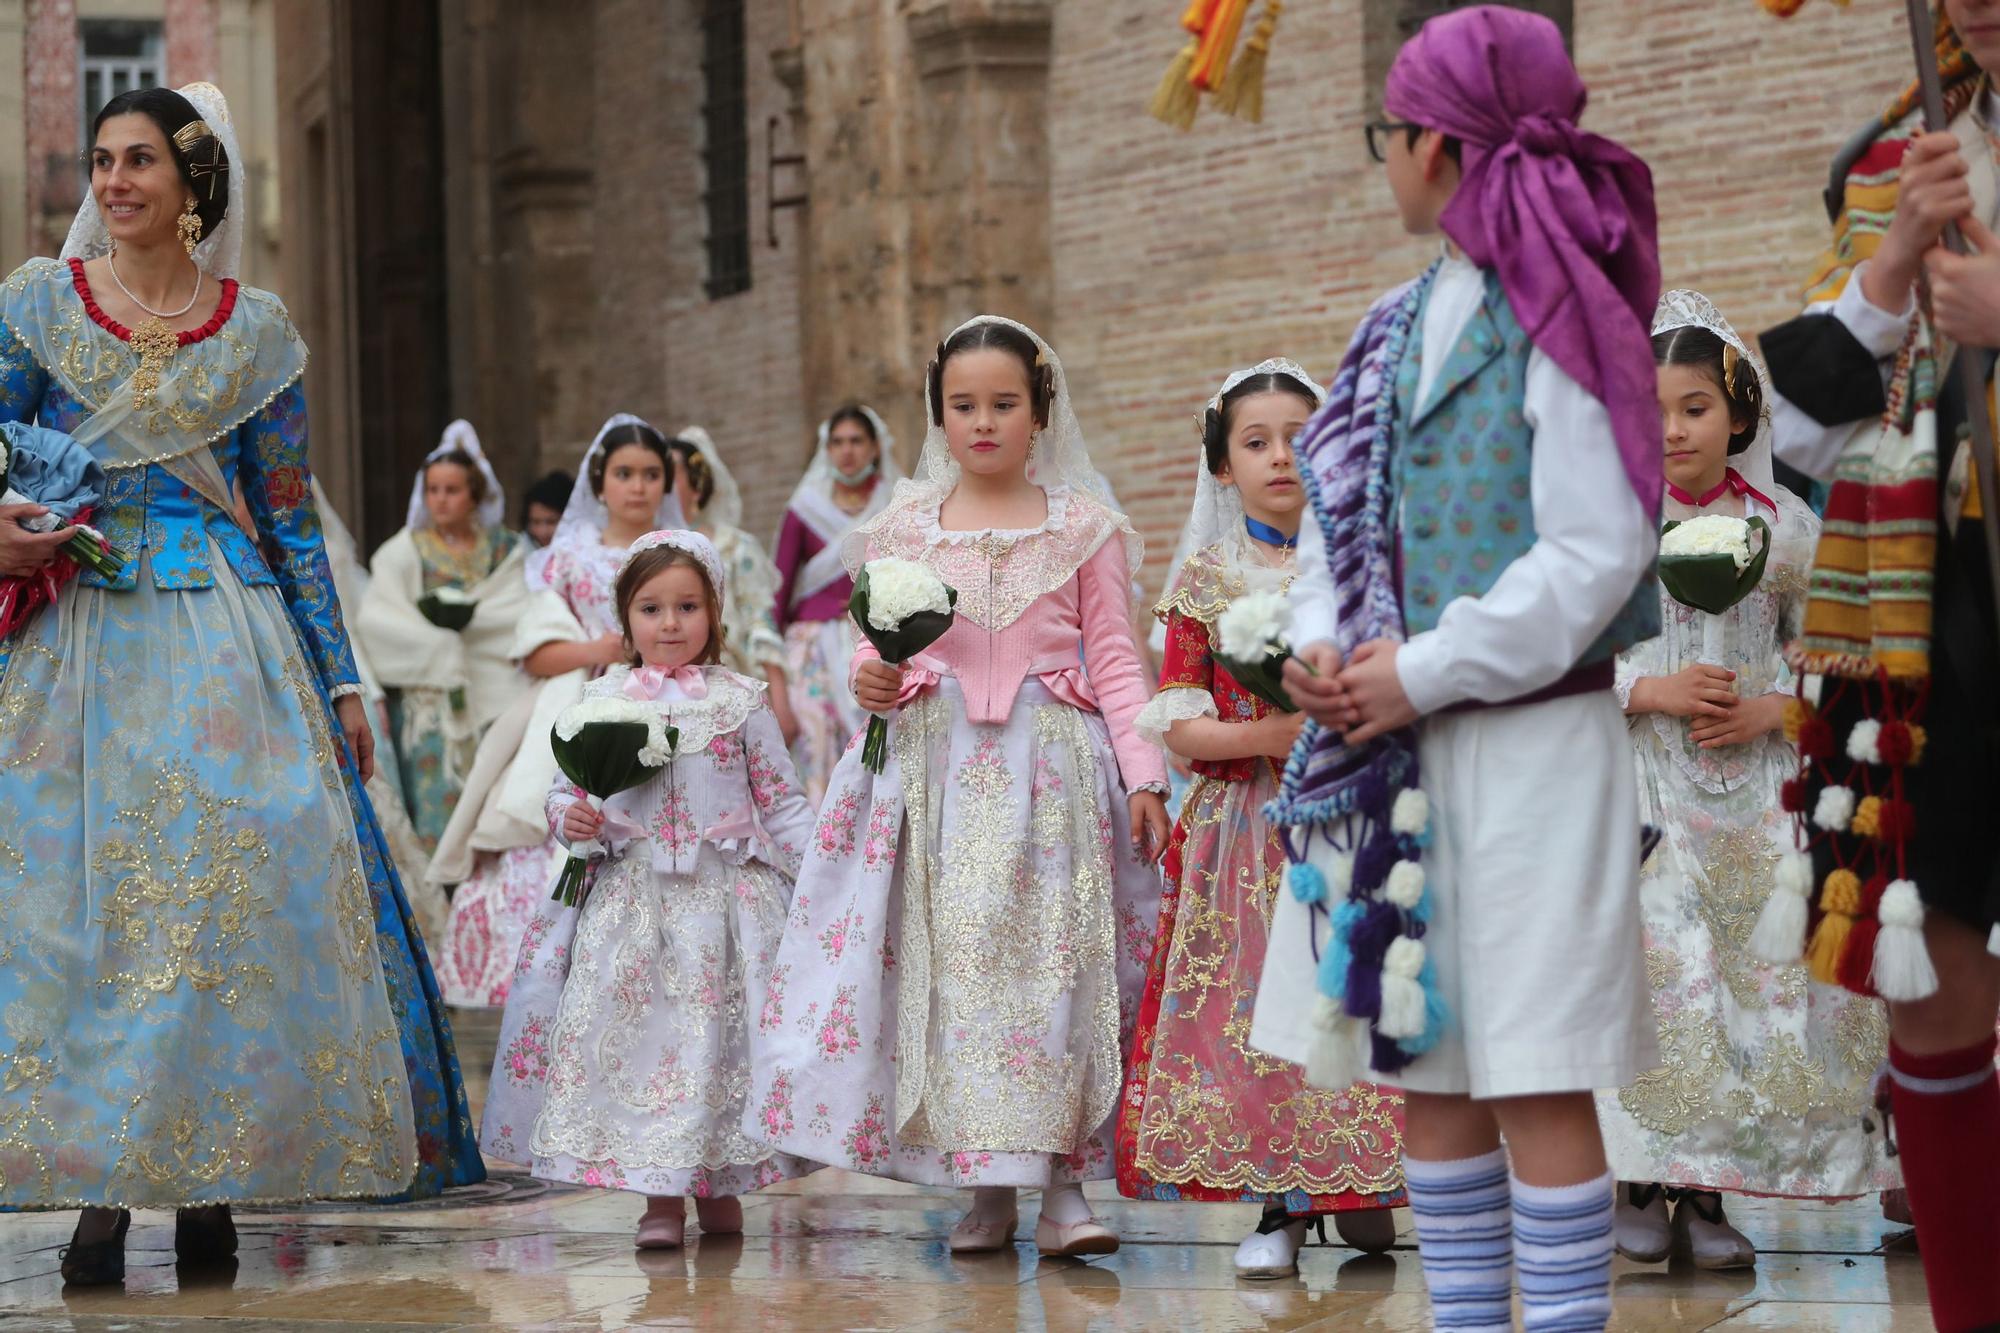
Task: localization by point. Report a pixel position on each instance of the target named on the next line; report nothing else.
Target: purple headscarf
(1565, 217)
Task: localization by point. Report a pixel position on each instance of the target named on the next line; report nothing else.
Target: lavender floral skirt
(961, 969)
(623, 1058)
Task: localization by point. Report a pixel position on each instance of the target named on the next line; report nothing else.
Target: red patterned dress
(1204, 1116)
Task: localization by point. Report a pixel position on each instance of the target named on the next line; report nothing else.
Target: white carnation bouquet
(1253, 642)
(903, 608)
(606, 745)
(1711, 563)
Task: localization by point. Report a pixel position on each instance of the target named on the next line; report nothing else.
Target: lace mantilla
(1213, 577)
(999, 573)
(730, 701)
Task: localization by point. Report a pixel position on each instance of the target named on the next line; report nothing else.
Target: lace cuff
(1622, 686)
(339, 692)
(1175, 703)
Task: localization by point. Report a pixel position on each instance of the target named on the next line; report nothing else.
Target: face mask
(855, 478)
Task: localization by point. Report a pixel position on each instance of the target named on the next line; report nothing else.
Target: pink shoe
(722, 1216)
(983, 1235)
(1060, 1240)
(663, 1226)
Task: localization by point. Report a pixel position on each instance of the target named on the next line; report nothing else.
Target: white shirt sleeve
(1799, 440)
(1592, 544)
(1315, 614)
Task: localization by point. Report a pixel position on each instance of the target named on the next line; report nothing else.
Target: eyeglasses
(1378, 132)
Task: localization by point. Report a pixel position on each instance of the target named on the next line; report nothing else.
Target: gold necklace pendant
(154, 344)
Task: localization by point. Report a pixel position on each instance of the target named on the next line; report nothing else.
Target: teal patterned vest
(1461, 475)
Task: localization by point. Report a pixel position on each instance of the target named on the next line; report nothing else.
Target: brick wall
(1178, 258)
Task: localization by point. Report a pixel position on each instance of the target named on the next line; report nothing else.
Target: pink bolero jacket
(1027, 601)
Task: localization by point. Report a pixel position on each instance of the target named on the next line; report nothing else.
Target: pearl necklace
(111, 261)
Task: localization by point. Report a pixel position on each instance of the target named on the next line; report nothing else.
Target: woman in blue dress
(211, 991)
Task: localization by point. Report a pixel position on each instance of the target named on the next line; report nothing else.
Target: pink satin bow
(1732, 482)
(646, 682)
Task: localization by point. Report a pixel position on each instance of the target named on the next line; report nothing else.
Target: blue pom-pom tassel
(1435, 1013)
(1307, 884)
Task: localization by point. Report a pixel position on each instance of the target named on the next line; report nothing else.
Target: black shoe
(101, 1263)
(204, 1235)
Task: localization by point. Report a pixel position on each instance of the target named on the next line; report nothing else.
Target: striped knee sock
(1562, 1244)
(1465, 1237)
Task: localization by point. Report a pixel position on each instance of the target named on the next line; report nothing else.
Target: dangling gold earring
(1033, 440)
(190, 228)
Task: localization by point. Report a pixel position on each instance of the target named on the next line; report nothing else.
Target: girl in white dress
(648, 1050)
(1765, 1073)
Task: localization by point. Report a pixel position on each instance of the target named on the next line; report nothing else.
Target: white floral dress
(645, 1051)
(1766, 1073)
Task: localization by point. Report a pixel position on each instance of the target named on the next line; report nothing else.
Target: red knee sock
(1947, 1124)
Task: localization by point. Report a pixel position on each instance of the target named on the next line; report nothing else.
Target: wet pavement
(837, 1251)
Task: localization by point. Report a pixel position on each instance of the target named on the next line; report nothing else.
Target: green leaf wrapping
(1263, 678)
(446, 615)
(603, 757)
(1712, 583)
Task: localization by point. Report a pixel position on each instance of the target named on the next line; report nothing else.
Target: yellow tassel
(1242, 91)
(1175, 100)
(1828, 943)
(1797, 711)
(1840, 900)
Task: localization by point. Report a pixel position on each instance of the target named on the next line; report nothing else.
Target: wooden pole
(1923, 36)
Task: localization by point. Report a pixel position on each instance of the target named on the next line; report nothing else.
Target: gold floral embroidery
(1788, 1078)
(182, 915)
(22, 702)
(1663, 966)
(1861, 1035)
(1693, 1059)
(1017, 930)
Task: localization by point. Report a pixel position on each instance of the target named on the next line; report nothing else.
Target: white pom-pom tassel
(1780, 934)
(1402, 994)
(1865, 741)
(1835, 809)
(1902, 970)
(1406, 885)
(1333, 1057)
(1411, 814)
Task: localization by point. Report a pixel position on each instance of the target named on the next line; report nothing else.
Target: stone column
(854, 282)
(644, 50)
(55, 176)
(980, 178)
(13, 134)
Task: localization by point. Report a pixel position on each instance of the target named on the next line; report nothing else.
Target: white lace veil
(584, 517)
(1060, 456)
(220, 253)
(1684, 308)
(459, 437)
(725, 506)
(812, 498)
(1218, 509)
(683, 539)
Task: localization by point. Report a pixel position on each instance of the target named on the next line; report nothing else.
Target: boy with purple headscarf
(1486, 479)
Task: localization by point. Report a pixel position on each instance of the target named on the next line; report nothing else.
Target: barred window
(725, 147)
(116, 56)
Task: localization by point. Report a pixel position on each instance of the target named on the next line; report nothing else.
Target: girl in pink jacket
(960, 971)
